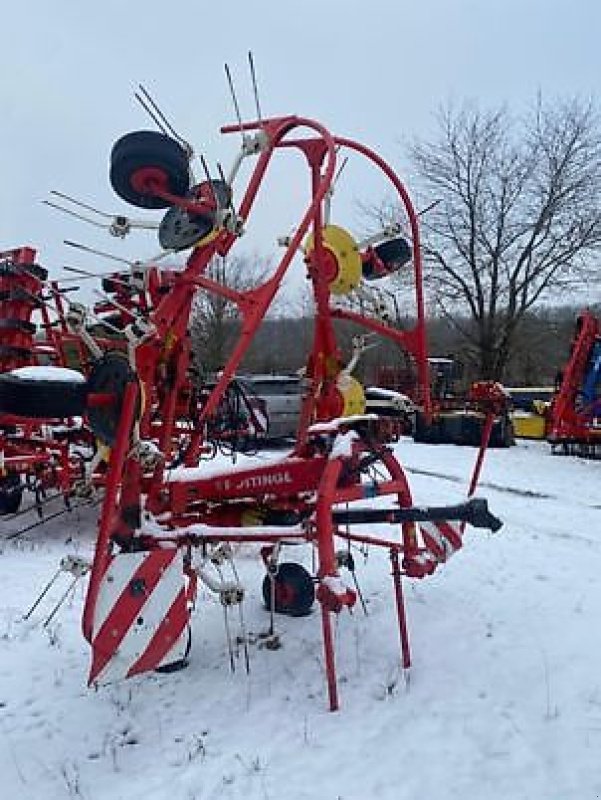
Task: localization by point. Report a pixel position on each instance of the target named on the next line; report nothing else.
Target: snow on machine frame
(43, 443)
(161, 529)
(57, 359)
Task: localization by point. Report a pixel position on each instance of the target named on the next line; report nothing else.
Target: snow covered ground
(504, 699)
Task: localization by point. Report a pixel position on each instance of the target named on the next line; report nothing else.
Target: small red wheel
(294, 592)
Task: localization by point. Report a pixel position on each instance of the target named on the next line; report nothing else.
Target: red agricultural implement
(165, 519)
(456, 416)
(53, 354)
(575, 412)
(40, 452)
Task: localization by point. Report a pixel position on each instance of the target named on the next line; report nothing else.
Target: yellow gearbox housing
(352, 394)
(343, 249)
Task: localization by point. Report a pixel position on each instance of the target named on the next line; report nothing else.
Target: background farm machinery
(165, 518)
(53, 354)
(574, 416)
(568, 414)
(456, 415)
(43, 452)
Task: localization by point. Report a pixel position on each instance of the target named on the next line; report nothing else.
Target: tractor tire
(11, 493)
(294, 590)
(148, 155)
(41, 398)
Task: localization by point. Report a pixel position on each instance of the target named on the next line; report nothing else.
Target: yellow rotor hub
(352, 394)
(344, 251)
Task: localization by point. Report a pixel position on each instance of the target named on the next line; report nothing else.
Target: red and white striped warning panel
(441, 538)
(141, 615)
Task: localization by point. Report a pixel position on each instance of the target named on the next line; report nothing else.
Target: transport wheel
(425, 433)
(294, 590)
(33, 392)
(142, 159)
(11, 493)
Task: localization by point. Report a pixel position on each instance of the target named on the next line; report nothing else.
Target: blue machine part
(592, 377)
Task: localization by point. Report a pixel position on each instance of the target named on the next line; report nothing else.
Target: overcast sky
(375, 71)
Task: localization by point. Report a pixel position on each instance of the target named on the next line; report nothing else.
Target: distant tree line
(514, 220)
(281, 345)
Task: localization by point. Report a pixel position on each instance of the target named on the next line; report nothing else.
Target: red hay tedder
(164, 516)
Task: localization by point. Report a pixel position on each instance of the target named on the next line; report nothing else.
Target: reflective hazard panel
(441, 538)
(141, 615)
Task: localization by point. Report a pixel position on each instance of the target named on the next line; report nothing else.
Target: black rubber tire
(424, 433)
(41, 399)
(394, 254)
(17, 325)
(144, 149)
(394, 251)
(294, 590)
(11, 493)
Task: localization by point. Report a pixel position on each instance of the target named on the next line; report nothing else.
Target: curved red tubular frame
(416, 342)
(253, 305)
(167, 342)
(262, 297)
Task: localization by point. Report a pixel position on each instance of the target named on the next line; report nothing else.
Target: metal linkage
(77, 567)
(116, 225)
(231, 593)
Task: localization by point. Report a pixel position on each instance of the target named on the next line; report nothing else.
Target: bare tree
(215, 319)
(519, 217)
